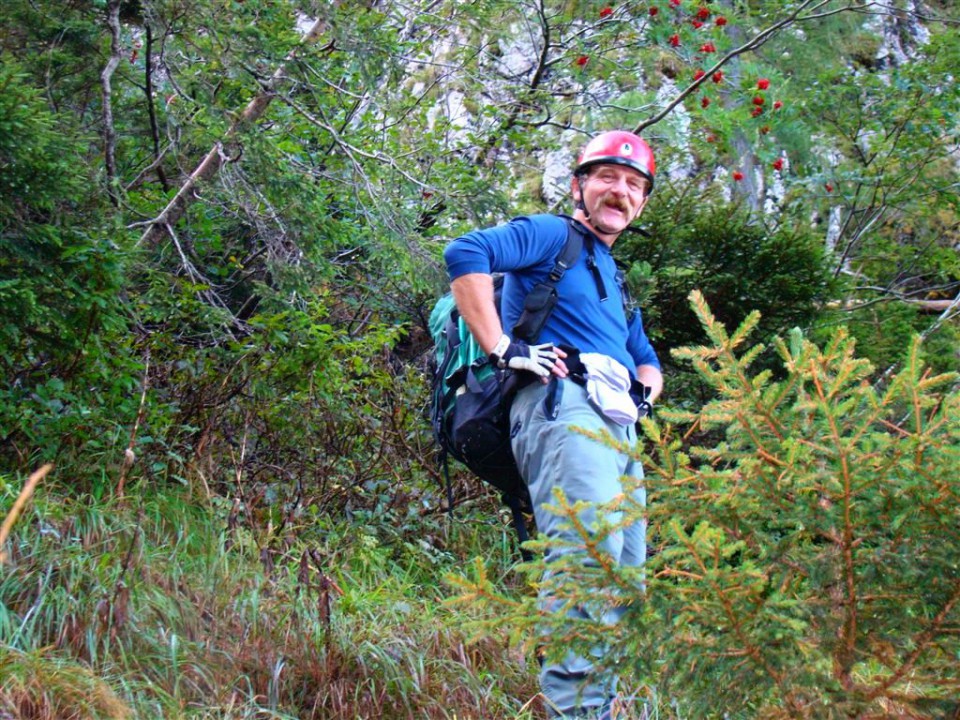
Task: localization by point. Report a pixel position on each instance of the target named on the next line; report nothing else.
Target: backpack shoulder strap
(587, 239)
(542, 298)
(578, 237)
(570, 253)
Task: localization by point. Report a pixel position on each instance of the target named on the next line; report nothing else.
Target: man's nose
(620, 186)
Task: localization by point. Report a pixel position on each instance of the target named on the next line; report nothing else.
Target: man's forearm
(474, 296)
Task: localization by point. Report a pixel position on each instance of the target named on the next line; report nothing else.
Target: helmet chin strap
(581, 179)
(599, 227)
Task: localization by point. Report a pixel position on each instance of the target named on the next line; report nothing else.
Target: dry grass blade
(41, 686)
(19, 504)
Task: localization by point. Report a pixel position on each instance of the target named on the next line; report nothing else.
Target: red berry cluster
(758, 107)
(698, 19)
(759, 100)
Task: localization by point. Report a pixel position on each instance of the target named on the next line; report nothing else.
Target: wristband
(501, 347)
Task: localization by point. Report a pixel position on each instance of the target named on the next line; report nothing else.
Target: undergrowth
(160, 605)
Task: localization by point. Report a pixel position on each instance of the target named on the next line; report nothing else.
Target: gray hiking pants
(550, 455)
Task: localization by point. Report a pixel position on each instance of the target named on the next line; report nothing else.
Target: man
(583, 384)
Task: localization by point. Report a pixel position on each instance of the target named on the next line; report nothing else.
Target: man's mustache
(614, 202)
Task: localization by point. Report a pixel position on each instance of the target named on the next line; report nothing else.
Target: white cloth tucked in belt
(608, 387)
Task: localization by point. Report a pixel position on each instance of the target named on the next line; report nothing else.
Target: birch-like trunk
(211, 163)
(109, 132)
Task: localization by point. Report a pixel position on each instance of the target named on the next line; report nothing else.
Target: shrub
(737, 263)
(805, 565)
(808, 561)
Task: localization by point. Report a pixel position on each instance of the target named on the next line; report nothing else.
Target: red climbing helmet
(618, 147)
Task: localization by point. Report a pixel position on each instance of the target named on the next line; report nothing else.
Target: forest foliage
(220, 237)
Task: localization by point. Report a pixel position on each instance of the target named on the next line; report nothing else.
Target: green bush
(738, 264)
(62, 324)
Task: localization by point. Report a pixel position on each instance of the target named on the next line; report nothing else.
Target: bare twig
(157, 165)
(873, 215)
(129, 456)
(350, 150)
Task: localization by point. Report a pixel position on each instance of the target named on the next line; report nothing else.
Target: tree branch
(213, 160)
(951, 310)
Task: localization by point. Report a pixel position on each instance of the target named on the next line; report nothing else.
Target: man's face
(613, 196)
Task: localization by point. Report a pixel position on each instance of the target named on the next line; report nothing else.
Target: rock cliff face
(901, 31)
(518, 91)
(546, 83)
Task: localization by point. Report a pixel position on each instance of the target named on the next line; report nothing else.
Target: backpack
(470, 397)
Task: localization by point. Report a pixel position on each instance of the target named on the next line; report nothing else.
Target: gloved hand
(518, 355)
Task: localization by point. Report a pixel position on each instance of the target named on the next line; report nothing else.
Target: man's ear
(575, 189)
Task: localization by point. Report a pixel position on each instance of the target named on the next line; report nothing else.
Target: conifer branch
(747, 646)
(920, 644)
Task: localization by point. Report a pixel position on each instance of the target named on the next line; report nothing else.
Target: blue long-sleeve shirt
(525, 249)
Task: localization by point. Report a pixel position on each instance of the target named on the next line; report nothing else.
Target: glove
(517, 355)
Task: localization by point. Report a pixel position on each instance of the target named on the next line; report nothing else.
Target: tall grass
(161, 607)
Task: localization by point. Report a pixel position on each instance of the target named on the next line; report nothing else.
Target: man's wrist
(500, 348)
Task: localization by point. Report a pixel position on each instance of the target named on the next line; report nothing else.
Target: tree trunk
(109, 133)
(151, 107)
